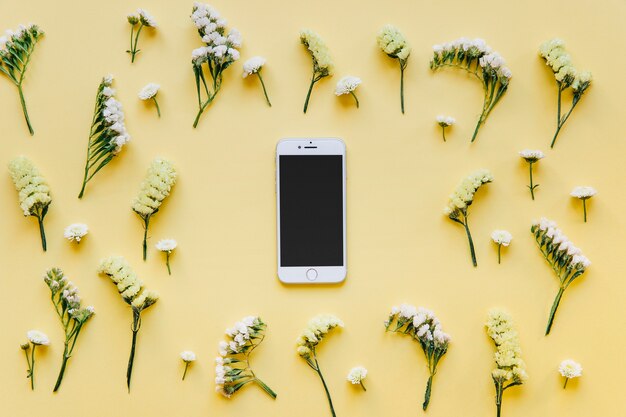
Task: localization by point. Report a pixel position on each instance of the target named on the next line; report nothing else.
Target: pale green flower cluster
(393, 43)
(128, 284)
(463, 195)
(322, 61)
(557, 58)
(315, 331)
(34, 192)
(510, 368)
(155, 187)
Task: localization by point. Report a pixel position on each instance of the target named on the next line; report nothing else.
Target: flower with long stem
(143, 19)
(392, 42)
(510, 369)
(75, 232)
(232, 366)
(570, 369)
(462, 198)
(36, 338)
(501, 238)
(167, 246)
(33, 191)
(566, 76)
(476, 58)
(254, 66)
(220, 52)
(107, 135)
(154, 189)
(188, 357)
(66, 301)
(149, 92)
(443, 122)
(320, 55)
(583, 193)
(357, 375)
(566, 260)
(16, 49)
(133, 293)
(532, 157)
(347, 85)
(318, 327)
(423, 327)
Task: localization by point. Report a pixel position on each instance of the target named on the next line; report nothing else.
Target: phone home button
(311, 274)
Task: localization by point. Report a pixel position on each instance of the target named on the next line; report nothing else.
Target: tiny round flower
(356, 375)
(253, 65)
(531, 156)
(146, 19)
(583, 192)
(37, 338)
(501, 237)
(166, 245)
(75, 232)
(570, 369)
(24, 346)
(346, 85)
(133, 19)
(445, 121)
(187, 356)
(149, 91)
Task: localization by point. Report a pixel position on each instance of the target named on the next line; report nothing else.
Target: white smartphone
(311, 210)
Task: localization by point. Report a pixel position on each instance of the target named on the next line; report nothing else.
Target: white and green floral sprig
(462, 198)
(357, 375)
(75, 232)
(33, 191)
(566, 76)
(566, 260)
(570, 369)
(443, 122)
(347, 85)
(392, 42)
(16, 49)
(143, 19)
(254, 66)
(108, 133)
(583, 193)
(36, 338)
(67, 304)
(167, 246)
(155, 188)
(501, 238)
(133, 293)
(188, 358)
(317, 328)
(510, 369)
(220, 52)
(424, 327)
(478, 59)
(149, 92)
(320, 55)
(532, 157)
(232, 370)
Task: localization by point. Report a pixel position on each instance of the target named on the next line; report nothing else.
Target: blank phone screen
(311, 210)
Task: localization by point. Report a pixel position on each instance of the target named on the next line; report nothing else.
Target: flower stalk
(393, 43)
(321, 60)
(143, 19)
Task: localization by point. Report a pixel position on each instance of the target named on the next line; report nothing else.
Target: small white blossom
(253, 65)
(501, 237)
(166, 245)
(531, 155)
(146, 18)
(188, 356)
(356, 375)
(346, 85)
(570, 369)
(37, 338)
(149, 91)
(75, 232)
(583, 192)
(445, 121)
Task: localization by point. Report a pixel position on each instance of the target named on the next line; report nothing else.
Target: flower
(445, 121)
(583, 193)
(510, 369)
(108, 133)
(347, 85)
(144, 19)
(155, 188)
(392, 42)
(33, 191)
(254, 66)
(570, 369)
(424, 327)
(187, 356)
(133, 293)
(37, 338)
(149, 92)
(320, 54)
(566, 76)
(501, 238)
(232, 370)
(357, 375)
(16, 49)
(477, 58)
(75, 232)
(167, 246)
(531, 156)
(463, 197)
(566, 260)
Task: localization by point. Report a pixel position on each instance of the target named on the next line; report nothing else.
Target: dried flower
(149, 92)
(155, 188)
(254, 66)
(75, 232)
(531, 156)
(462, 198)
(167, 246)
(445, 121)
(16, 49)
(133, 293)
(357, 375)
(501, 238)
(392, 42)
(347, 85)
(570, 369)
(143, 18)
(33, 191)
(320, 54)
(477, 58)
(424, 327)
(583, 193)
(566, 260)
(187, 356)
(37, 338)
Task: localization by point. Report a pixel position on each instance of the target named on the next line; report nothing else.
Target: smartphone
(311, 210)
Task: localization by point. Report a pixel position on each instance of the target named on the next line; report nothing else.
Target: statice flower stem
(585, 210)
(555, 306)
(470, 241)
(156, 103)
(31, 366)
(330, 401)
(145, 238)
(429, 385)
(133, 46)
(42, 233)
(264, 90)
(308, 94)
(265, 387)
(131, 359)
(186, 367)
(355, 99)
(66, 357)
(23, 101)
(402, 67)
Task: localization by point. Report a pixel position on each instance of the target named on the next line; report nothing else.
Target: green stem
(480, 121)
(402, 66)
(362, 385)
(167, 262)
(131, 359)
(308, 94)
(32, 369)
(499, 392)
(443, 132)
(265, 387)
(471, 242)
(531, 186)
(42, 233)
(186, 367)
(134, 50)
(264, 90)
(66, 357)
(355, 98)
(565, 384)
(156, 103)
(146, 221)
(585, 210)
(330, 401)
(23, 101)
(429, 385)
(555, 306)
(499, 251)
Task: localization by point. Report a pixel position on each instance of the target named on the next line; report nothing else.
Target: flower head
(531, 156)
(501, 237)
(346, 85)
(253, 65)
(393, 43)
(317, 328)
(32, 188)
(322, 62)
(463, 195)
(221, 47)
(356, 375)
(187, 356)
(583, 192)
(166, 245)
(445, 121)
(128, 284)
(149, 91)
(75, 232)
(146, 19)
(133, 19)
(570, 369)
(37, 338)
(155, 187)
(510, 368)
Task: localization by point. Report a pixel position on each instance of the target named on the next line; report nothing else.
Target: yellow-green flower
(393, 43)
(320, 54)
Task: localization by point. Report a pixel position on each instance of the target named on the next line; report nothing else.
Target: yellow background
(400, 246)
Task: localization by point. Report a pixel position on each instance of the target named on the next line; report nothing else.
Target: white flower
(501, 237)
(253, 65)
(108, 91)
(146, 18)
(166, 245)
(187, 356)
(356, 375)
(583, 192)
(445, 121)
(75, 232)
(149, 91)
(346, 85)
(531, 155)
(37, 338)
(570, 369)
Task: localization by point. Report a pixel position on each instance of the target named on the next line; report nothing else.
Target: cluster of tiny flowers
(463, 195)
(149, 91)
(166, 245)
(570, 369)
(21, 36)
(317, 328)
(113, 115)
(557, 58)
(501, 237)
(187, 356)
(421, 323)
(33, 190)
(393, 43)
(128, 284)
(75, 232)
(346, 85)
(69, 298)
(253, 65)
(37, 338)
(531, 156)
(322, 62)
(142, 16)
(445, 121)
(221, 48)
(357, 375)
(509, 364)
(559, 247)
(583, 192)
(155, 187)
(464, 49)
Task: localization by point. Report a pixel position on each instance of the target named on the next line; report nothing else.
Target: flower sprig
(510, 369)
(67, 304)
(501, 238)
(75, 232)
(320, 55)
(462, 198)
(566, 260)
(357, 375)
(133, 293)
(155, 188)
(476, 58)
(443, 122)
(583, 193)
(347, 85)
(318, 327)
(143, 19)
(566, 76)
(570, 369)
(188, 358)
(424, 327)
(167, 246)
(33, 191)
(532, 157)
(108, 133)
(392, 42)
(149, 92)
(232, 370)
(35, 338)
(16, 49)
(220, 52)
(253, 66)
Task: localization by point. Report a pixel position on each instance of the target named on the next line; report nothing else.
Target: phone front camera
(299, 147)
